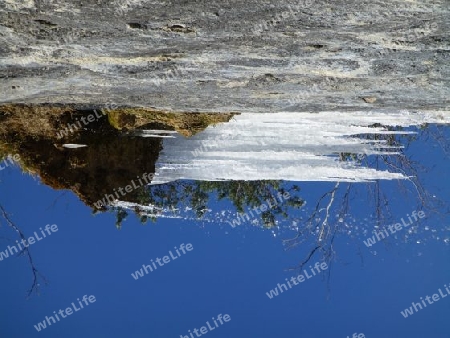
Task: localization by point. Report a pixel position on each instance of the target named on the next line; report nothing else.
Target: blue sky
(227, 272)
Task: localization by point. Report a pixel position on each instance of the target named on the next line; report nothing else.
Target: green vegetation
(196, 196)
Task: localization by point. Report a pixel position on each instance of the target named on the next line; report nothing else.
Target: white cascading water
(285, 146)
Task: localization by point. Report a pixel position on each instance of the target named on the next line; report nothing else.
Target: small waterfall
(288, 146)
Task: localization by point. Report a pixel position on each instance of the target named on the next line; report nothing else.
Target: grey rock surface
(244, 56)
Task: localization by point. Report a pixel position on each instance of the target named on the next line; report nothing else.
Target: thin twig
(25, 252)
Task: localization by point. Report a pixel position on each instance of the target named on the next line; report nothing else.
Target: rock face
(61, 59)
(68, 150)
(245, 56)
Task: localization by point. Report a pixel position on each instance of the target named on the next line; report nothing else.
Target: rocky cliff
(246, 56)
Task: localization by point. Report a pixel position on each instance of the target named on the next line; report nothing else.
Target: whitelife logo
(357, 335)
(393, 228)
(109, 198)
(72, 128)
(204, 329)
(166, 259)
(9, 161)
(64, 313)
(319, 267)
(27, 242)
(260, 209)
(418, 306)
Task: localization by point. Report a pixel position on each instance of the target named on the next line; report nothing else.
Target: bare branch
(327, 215)
(35, 287)
(306, 260)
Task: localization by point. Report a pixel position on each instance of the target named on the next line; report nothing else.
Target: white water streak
(286, 146)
